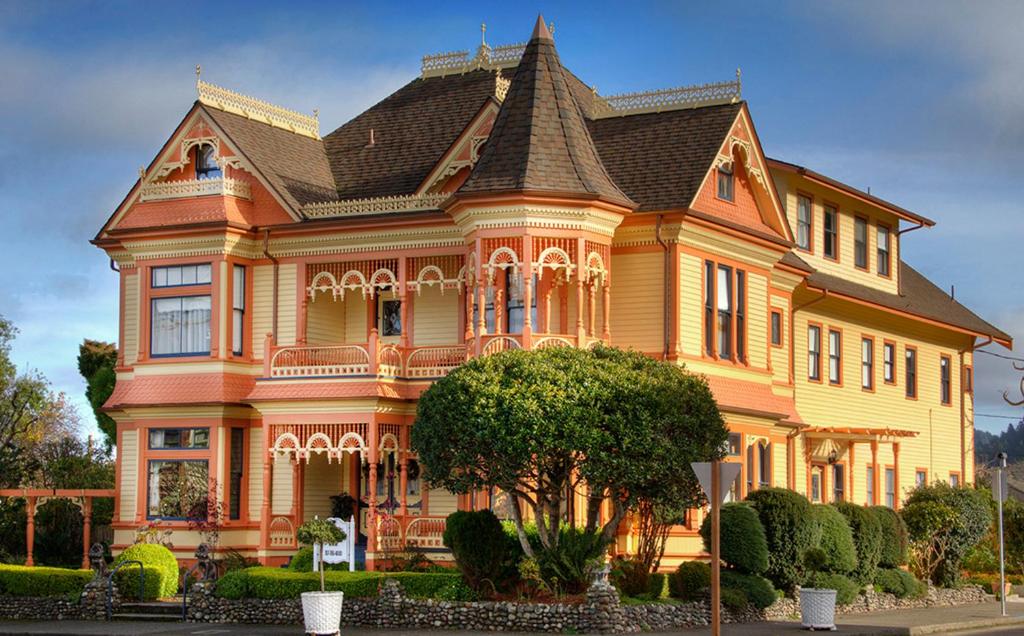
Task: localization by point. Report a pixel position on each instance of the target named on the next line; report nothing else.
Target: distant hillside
(988, 445)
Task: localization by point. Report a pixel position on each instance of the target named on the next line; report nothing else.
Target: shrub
(478, 544)
(456, 590)
(733, 599)
(570, 564)
(966, 515)
(631, 577)
(690, 580)
(742, 539)
(279, 583)
(789, 531)
(893, 553)
(846, 588)
(18, 580)
(836, 540)
(867, 537)
(899, 582)
(302, 561)
(160, 571)
(757, 589)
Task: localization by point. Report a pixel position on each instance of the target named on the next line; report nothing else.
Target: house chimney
(372, 142)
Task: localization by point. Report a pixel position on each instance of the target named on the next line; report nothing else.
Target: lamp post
(1000, 497)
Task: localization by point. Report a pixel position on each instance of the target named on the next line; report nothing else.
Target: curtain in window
(181, 325)
(724, 294)
(178, 489)
(195, 324)
(238, 309)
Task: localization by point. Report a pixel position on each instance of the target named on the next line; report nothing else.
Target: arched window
(206, 163)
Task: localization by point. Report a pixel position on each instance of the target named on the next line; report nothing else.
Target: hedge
(757, 589)
(18, 580)
(899, 582)
(789, 531)
(836, 539)
(690, 580)
(741, 540)
(279, 583)
(479, 545)
(302, 561)
(160, 571)
(846, 588)
(894, 537)
(867, 537)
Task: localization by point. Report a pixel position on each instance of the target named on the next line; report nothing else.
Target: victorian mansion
(285, 296)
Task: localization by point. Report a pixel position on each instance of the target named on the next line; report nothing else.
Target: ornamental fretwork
(252, 108)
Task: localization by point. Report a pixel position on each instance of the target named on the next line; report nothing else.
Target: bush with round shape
(741, 540)
(867, 537)
(757, 589)
(970, 518)
(733, 599)
(690, 581)
(479, 545)
(160, 572)
(894, 537)
(900, 583)
(846, 588)
(835, 539)
(789, 531)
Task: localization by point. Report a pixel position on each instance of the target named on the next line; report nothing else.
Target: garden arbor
(537, 425)
(35, 497)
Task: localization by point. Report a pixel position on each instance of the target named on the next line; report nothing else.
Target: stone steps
(152, 611)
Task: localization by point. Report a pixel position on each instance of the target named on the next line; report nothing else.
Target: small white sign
(339, 552)
(727, 473)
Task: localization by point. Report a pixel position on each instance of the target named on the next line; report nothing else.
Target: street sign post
(1000, 488)
(712, 475)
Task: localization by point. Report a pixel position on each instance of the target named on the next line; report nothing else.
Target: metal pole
(1002, 555)
(716, 592)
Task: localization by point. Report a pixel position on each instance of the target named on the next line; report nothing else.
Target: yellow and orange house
(286, 296)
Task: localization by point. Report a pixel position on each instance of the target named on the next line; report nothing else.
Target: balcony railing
(389, 360)
(223, 186)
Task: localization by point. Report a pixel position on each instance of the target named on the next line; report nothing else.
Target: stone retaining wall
(91, 605)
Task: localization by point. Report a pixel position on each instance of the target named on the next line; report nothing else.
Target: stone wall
(90, 605)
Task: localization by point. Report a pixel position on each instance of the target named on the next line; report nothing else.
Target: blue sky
(920, 101)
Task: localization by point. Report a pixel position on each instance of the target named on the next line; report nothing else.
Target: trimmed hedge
(160, 571)
(757, 589)
(18, 580)
(894, 537)
(690, 580)
(846, 588)
(742, 539)
(836, 539)
(789, 530)
(899, 582)
(867, 537)
(479, 545)
(278, 583)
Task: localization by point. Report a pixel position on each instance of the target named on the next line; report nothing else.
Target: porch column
(606, 308)
(267, 491)
(403, 307)
(546, 318)
(874, 472)
(86, 531)
(527, 292)
(371, 512)
(481, 319)
(30, 530)
(592, 311)
(896, 475)
(403, 470)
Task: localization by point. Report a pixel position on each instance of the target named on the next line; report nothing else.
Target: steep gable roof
(660, 159)
(540, 141)
(294, 165)
(412, 129)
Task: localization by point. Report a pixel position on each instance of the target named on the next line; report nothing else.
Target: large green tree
(96, 362)
(537, 425)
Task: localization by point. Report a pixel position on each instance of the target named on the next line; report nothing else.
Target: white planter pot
(817, 608)
(321, 612)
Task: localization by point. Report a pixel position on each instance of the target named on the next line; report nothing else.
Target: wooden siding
(128, 455)
(257, 452)
(325, 320)
(262, 306)
(637, 300)
(281, 493)
(131, 318)
(435, 316)
(322, 480)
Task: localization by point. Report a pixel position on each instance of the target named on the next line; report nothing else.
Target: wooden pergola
(35, 497)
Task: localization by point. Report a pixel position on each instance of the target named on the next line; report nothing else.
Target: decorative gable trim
(465, 151)
(231, 102)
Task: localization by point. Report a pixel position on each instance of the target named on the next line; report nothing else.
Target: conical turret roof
(540, 142)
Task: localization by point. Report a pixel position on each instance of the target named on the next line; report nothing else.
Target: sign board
(339, 552)
(727, 473)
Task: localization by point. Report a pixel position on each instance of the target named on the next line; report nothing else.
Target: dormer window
(725, 183)
(206, 163)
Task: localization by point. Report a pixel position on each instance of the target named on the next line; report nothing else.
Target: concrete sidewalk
(935, 620)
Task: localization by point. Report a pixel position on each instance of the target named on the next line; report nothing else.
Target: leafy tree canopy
(96, 362)
(535, 424)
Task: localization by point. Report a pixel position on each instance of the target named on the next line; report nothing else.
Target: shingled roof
(294, 165)
(412, 129)
(540, 141)
(918, 296)
(660, 159)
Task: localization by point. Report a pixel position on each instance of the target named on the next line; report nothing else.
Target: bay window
(180, 326)
(725, 307)
(513, 304)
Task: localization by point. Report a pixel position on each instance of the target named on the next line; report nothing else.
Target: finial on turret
(551, 28)
(316, 114)
(483, 32)
(199, 71)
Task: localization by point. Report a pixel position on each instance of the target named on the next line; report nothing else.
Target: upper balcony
(188, 188)
(378, 359)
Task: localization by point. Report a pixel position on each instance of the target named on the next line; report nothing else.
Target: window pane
(189, 438)
(860, 242)
(237, 329)
(883, 250)
(709, 308)
(203, 273)
(173, 276)
(391, 318)
(238, 288)
(724, 289)
(830, 232)
(178, 489)
(160, 277)
(776, 328)
(724, 300)
(188, 275)
(803, 222)
(834, 356)
(235, 467)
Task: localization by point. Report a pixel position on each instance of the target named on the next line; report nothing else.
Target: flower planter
(817, 608)
(321, 612)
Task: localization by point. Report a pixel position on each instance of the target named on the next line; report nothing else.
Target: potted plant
(321, 611)
(817, 605)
